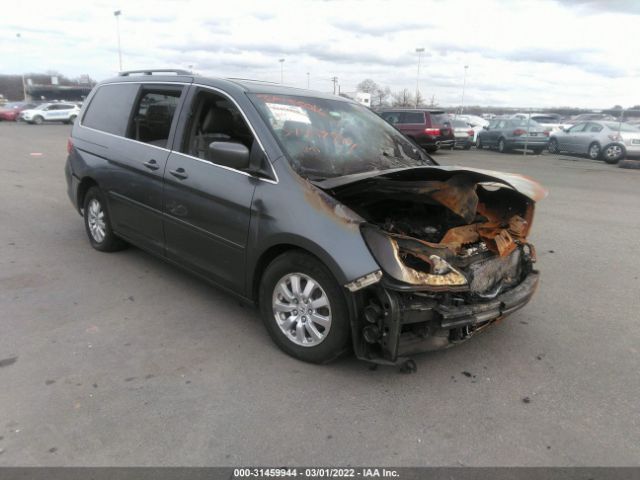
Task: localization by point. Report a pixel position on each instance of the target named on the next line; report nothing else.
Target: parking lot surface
(121, 359)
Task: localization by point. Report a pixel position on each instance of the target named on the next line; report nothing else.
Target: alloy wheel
(301, 309)
(613, 152)
(594, 151)
(96, 221)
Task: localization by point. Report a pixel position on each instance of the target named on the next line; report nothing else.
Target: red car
(431, 129)
(10, 111)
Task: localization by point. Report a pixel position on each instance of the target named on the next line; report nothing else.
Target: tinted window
(153, 115)
(391, 117)
(412, 117)
(438, 119)
(110, 108)
(594, 128)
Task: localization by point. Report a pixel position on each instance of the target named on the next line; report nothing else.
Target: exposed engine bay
(453, 246)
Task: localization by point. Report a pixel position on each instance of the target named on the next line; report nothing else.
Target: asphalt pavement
(121, 359)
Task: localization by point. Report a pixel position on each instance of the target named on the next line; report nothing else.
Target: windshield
(523, 122)
(326, 138)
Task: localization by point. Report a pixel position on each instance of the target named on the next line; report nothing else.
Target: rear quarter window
(412, 117)
(110, 108)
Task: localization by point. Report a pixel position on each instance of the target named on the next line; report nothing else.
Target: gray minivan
(342, 231)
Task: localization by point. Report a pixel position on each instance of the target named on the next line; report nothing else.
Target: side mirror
(230, 154)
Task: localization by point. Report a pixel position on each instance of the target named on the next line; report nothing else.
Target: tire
(431, 149)
(97, 223)
(479, 144)
(38, 120)
(281, 294)
(536, 151)
(613, 153)
(502, 146)
(72, 119)
(467, 146)
(594, 151)
(553, 146)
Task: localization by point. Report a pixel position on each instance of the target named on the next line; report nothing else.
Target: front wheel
(502, 146)
(479, 144)
(38, 120)
(613, 153)
(304, 309)
(553, 146)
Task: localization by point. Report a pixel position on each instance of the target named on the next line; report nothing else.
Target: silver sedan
(608, 140)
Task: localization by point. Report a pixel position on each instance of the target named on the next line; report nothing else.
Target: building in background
(45, 87)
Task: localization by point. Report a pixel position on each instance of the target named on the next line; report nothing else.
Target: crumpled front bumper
(412, 324)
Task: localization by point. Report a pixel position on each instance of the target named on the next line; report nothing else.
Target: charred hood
(434, 214)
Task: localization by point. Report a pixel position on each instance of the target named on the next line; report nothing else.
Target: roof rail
(154, 70)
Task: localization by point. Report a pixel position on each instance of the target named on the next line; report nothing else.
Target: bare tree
(367, 86)
(382, 94)
(403, 98)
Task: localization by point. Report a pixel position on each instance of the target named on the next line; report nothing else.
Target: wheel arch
(83, 187)
(274, 251)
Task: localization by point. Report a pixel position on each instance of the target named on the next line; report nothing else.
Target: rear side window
(110, 108)
(412, 117)
(439, 119)
(153, 115)
(391, 117)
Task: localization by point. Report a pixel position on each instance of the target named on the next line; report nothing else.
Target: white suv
(51, 112)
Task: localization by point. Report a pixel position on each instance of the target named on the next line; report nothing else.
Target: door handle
(151, 164)
(179, 173)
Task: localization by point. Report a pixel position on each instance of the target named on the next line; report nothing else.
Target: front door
(208, 206)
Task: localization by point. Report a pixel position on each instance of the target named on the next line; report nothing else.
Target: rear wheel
(304, 309)
(479, 144)
(613, 153)
(594, 151)
(502, 146)
(536, 151)
(98, 224)
(553, 146)
(38, 120)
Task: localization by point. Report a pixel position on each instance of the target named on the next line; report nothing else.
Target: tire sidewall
(553, 146)
(502, 149)
(38, 120)
(337, 340)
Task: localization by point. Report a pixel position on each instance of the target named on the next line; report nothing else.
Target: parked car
(309, 206)
(11, 111)
(463, 133)
(428, 128)
(551, 122)
(477, 124)
(506, 134)
(51, 112)
(611, 141)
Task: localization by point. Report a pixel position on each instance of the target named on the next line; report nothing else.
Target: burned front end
(453, 251)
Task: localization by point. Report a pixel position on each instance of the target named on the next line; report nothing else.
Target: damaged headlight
(419, 266)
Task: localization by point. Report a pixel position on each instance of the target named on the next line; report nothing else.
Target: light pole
(24, 85)
(117, 14)
(464, 84)
(419, 51)
(281, 70)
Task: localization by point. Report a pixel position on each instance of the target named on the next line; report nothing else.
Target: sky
(538, 53)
